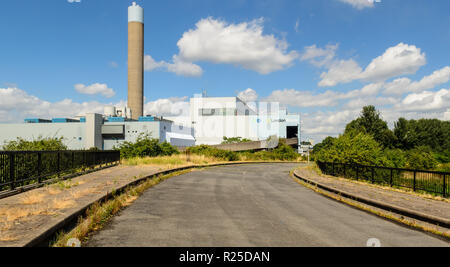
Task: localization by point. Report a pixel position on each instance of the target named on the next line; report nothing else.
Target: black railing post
(445, 188)
(73, 160)
(414, 186)
(39, 167)
(345, 168)
(373, 175)
(59, 164)
(12, 172)
(332, 173)
(84, 161)
(392, 178)
(357, 172)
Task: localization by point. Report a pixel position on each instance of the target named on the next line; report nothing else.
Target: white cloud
(168, 107)
(297, 26)
(343, 71)
(426, 101)
(359, 4)
(74, 1)
(150, 64)
(16, 105)
(428, 82)
(447, 115)
(399, 60)
(319, 57)
(184, 68)
(241, 44)
(248, 95)
(178, 66)
(96, 88)
(405, 85)
(296, 98)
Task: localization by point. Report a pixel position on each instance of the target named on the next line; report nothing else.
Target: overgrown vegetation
(149, 151)
(416, 144)
(145, 146)
(235, 140)
(213, 152)
(174, 161)
(282, 153)
(39, 144)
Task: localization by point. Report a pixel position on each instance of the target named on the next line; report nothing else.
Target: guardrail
(417, 180)
(21, 168)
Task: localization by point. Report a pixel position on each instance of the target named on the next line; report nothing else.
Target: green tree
(394, 158)
(326, 143)
(421, 158)
(39, 144)
(429, 132)
(353, 147)
(370, 122)
(402, 134)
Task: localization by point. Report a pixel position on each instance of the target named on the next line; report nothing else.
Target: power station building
(209, 120)
(213, 118)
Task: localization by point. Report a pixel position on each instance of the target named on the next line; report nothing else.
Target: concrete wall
(94, 124)
(132, 132)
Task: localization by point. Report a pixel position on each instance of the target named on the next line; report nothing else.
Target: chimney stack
(136, 60)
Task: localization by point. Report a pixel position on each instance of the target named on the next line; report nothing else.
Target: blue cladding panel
(63, 120)
(36, 120)
(116, 119)
(146, 118)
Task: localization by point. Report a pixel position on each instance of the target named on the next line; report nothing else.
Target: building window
(218, 112)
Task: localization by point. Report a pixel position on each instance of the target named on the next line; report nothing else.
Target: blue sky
(59, 58)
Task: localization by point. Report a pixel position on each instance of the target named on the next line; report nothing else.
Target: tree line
(416, 144)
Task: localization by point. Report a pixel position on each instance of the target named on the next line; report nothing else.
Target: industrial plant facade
(213, 118)
(208, 120)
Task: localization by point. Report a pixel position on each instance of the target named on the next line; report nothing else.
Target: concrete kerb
(43, 238)
(388, 207)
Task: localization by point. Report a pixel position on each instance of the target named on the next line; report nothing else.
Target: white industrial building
(213, 118)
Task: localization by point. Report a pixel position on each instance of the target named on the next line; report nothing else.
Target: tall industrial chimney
(136, 60)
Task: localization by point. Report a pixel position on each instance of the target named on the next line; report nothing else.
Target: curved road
(247, 205)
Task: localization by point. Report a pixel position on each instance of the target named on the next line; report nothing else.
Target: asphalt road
(248, 205)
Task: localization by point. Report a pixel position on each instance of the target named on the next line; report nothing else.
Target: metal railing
(417, 180)
(21, 168)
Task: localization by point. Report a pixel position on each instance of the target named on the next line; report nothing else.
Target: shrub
(39, 144)
(235, 140)
(394, 158)
(421, 158)
(360, 148)
(445, 167)
(283, 152)
(214, 152)
(145, 146)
